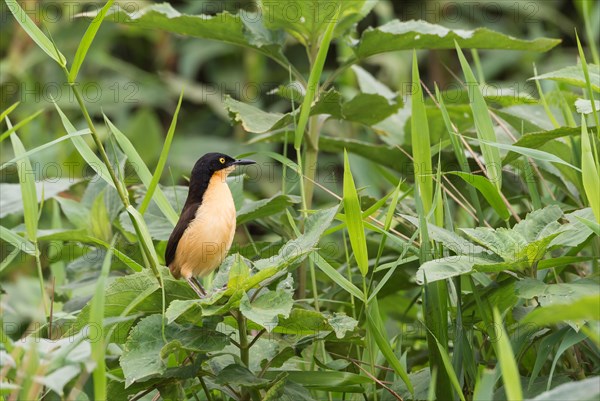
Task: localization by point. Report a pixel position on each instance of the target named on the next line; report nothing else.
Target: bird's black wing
(187, 215)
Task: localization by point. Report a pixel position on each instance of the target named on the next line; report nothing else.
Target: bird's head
(216, 163)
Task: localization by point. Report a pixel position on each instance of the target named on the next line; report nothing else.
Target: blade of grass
(385, 347)
(590, 173)
(450, 370)
(421, 145)
(313, 80)
(336, 276)
(30, 205)
(84, 149)
(459, 152)
(483, 123)
(96, 322)
(19, 125)
(487, 189)
(588, 84)
(143, 172)
(44, 146)
(35, 33)
(87, 40)
(9, 110)
(544, 101)
(506, 359)
(354, 221)
(162, 161)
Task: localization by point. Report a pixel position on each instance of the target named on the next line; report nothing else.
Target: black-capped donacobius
(204, 233)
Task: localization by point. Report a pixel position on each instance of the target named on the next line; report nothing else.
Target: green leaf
(336, 276)
(267, 307)
(35, 33)
(584, 390)
(143, 172)
(533, 153)
(17, 241)
(584, 308)
(398, 35)
(21, 124)
(574, 75)
(506, 358)
(327, 380)
(451, 266)
(354, 220)
(483, 124)
(590, 172)
(28, 190)
(143, 354)
(84, 149)
(75, 212)
(162, 161)
(86, 41)
(265, 207)
(559, 293)
(11, 200)
(421, 142)
(534, 140)
(308, 21)
(244, 30)
(240, 376)
(96, 322)
(386, 348)
(489, 191)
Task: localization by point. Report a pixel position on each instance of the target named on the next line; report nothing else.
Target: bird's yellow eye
(222, 160)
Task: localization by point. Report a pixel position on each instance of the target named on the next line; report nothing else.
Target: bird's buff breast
(206, 241)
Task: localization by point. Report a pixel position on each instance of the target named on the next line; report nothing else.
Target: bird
(203, 235)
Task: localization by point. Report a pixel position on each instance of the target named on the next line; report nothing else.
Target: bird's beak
(243, 162)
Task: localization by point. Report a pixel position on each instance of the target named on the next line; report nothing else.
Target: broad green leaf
(35, 33)
(341, 323)
(143, 172)
(267, 307)
(559, 293)
(584, 308)
(308, 322)
(86, 41)
(265, 207)
(584, 106)
(451, 266)
(539, 223)
(179, 307)
(28, 190)
(590, 172)
(421, 144)
(506, 359)
(584, 390)
(534, 140)
(307, 20)
(574, 75)
(489, 191)
(244, 29)
(74, 211)
(354, 221)
(240, 376)
(144, 353)
(483, 124)
(293, 252)
(327, 380)
(399, 35)
(11, 200)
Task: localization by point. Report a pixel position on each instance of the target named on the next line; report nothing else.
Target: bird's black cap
(213, 162)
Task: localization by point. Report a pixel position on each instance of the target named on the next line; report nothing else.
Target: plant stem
(244, 348)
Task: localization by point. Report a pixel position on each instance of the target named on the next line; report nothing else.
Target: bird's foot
(197, 287)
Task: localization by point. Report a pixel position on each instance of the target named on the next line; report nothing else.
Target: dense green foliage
(412, 231)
